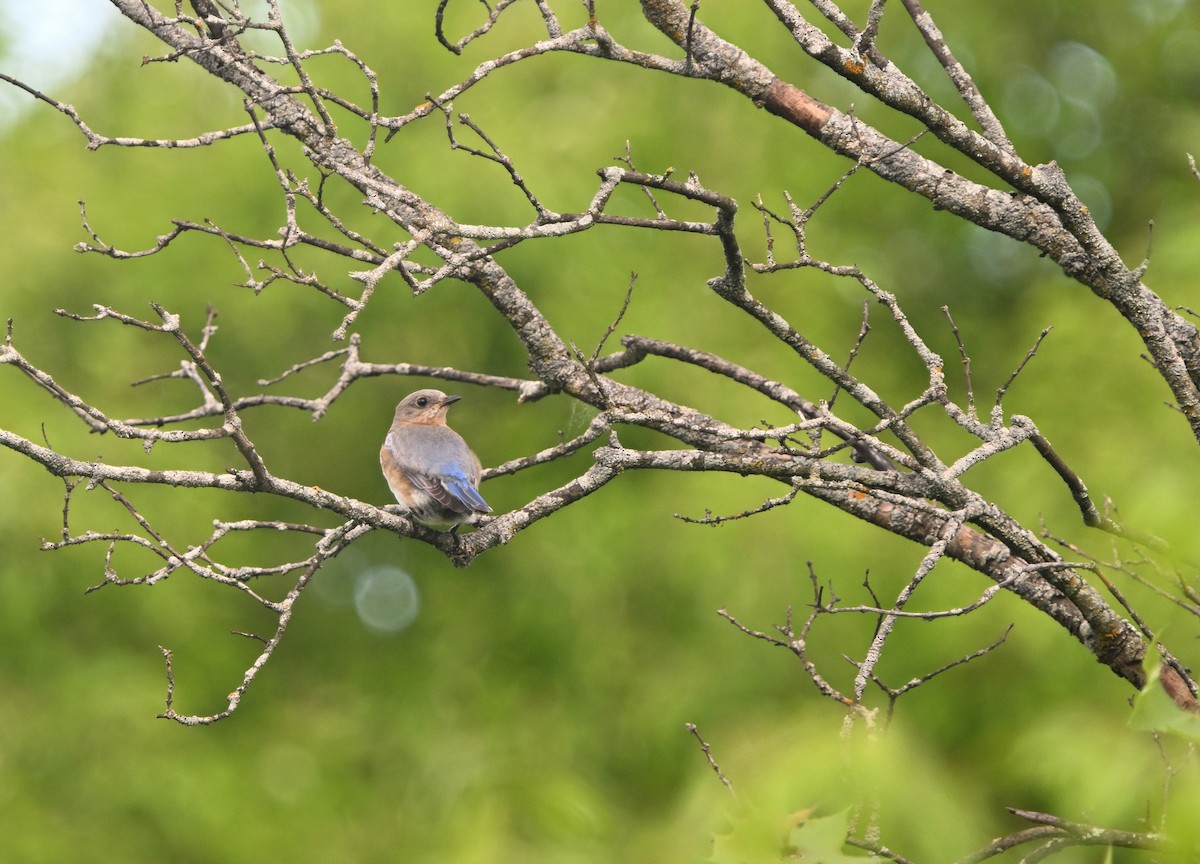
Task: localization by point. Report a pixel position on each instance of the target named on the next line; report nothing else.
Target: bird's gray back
(432, 450)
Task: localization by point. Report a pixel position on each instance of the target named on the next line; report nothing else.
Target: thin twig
(712, 763)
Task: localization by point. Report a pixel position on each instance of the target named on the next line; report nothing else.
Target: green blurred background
(533, 709)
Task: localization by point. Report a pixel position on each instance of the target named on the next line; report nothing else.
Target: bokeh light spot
(386, 599)
(1095, 195)
(1082, 73)
(1031, 104)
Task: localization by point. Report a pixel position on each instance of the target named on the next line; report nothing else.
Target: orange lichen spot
(854, 67)
(1026, 170)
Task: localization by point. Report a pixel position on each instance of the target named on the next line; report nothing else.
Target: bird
(428, 466)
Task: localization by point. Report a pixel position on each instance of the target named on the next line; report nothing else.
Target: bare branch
(909, 487)
(959, 77)
(1055, 833)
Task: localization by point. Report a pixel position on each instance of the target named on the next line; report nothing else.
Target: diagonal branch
(1046, 215)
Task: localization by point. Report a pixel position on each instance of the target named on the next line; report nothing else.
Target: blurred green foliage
(534, 710)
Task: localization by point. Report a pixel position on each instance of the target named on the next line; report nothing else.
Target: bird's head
(425, 406)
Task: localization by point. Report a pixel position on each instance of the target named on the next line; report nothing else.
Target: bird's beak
(450, 400)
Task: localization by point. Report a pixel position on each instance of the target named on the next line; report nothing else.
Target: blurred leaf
(755, 837)
(1155, 711)
(762, 836)
(822, 839)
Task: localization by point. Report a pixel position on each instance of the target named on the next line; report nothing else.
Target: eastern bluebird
(428, 466)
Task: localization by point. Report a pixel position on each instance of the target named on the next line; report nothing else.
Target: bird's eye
(422, 402)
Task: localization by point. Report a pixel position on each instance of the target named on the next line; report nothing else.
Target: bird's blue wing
(452, 490)
(464, 493)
